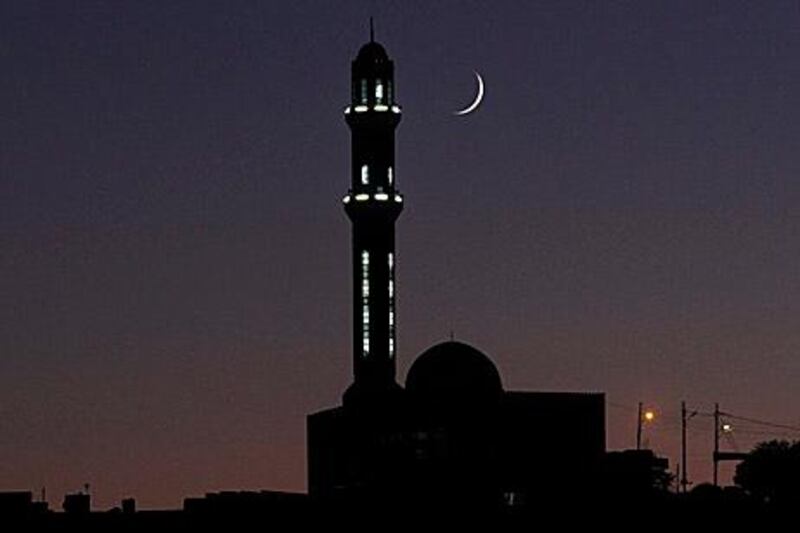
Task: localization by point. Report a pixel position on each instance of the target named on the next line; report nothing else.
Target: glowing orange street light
(644, 416)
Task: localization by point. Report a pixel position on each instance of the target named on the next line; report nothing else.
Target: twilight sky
(620, 215)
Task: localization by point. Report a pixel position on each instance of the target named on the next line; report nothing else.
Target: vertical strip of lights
(391, 306)
(365, 303)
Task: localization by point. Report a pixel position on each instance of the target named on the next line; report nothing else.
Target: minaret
(373, 204)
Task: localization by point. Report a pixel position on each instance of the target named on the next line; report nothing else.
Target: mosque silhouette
(451, 443)
(453, 435)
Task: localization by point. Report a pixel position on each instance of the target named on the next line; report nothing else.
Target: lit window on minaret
(390, 175)
(378, 92)
(364, 175)
(365, 302)
(364, 92)
(389, 91)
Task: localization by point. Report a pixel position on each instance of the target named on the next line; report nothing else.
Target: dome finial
(371, 31)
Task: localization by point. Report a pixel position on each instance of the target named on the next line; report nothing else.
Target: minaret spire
(371, 31)
(373, 204)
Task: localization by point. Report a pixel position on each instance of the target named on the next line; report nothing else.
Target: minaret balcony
(378, 108)
(378, 197)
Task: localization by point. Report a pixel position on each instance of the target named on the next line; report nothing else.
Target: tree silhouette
(637, 473)
(771, 472)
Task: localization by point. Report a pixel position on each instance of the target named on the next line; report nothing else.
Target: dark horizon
(617, 216)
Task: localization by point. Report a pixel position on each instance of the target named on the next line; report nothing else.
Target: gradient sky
(620, 215)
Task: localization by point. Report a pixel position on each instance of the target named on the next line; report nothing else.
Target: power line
(767, 433)
(761, 422)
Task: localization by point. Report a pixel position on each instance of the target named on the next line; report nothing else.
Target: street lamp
(644, 416)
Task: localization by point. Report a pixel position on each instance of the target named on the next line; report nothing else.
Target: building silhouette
(453, 434)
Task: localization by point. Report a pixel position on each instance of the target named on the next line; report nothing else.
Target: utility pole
(685, 417)
(639, 428)
(716, 445)
(684, 477)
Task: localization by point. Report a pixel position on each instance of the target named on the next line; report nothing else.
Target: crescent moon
(474, 105)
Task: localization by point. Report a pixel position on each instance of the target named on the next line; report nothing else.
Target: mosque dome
(454, 373)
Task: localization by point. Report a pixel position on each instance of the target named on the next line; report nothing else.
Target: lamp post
(644, 416)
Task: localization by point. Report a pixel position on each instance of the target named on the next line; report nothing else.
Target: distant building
(128, 506)
(17, 504)
(233, 503)
(77, 504)
(453, 434)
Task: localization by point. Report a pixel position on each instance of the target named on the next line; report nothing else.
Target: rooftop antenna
(371, 31)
